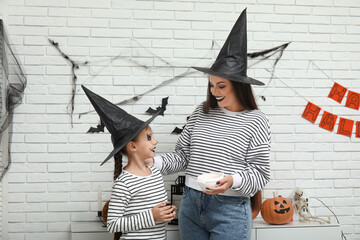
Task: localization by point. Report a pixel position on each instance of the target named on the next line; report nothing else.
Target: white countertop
(96, 226)
(79, 227)
(258, 223)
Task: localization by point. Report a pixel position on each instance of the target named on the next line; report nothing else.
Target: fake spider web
(12, 86)
(273, 54)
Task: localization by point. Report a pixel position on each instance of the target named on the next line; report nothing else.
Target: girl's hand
(149, 162)
(163, 213)
(222, 186)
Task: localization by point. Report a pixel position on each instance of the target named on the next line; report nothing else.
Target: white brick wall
(1, 117)
(55, 173)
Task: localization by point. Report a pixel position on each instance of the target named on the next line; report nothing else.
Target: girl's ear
(131, 146)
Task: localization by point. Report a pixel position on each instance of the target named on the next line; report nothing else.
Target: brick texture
(131, 47)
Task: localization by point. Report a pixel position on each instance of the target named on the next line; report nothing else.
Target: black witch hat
(231, 62)
(122, 126)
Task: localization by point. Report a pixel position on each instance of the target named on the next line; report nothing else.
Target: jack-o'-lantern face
(281, 207)
(277, 210)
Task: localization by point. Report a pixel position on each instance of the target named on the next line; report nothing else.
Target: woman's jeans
(214, 217)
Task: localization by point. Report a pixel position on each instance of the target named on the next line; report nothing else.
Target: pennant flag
(337, 92)
(328, 121)
(311, 112)
(353, 100)
(345, 127)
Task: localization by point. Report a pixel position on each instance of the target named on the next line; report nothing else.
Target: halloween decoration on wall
(258, 57)
(311, 111)
(353, 100)
(328, 119)
(74, 66)
(338, 92)
(12, 85)
(277, 210)
(97, 129)
(261, 56)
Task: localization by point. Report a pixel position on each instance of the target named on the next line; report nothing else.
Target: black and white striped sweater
(234, 143)
(132, 199)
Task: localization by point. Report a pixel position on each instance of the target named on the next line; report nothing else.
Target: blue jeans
(214, 217)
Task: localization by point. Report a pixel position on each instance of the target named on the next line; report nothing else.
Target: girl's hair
(118, 158)
(243, 93)
(118, 163)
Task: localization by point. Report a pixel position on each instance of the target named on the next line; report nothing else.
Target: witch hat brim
(122, 126)
(231, 62)
(244, 79)
(131, 137)
(160, 111)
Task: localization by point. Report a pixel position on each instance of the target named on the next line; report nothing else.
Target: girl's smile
(146, 140)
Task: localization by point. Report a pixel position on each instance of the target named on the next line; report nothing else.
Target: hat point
(231, 62)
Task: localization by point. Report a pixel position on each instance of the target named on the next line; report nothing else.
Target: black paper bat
(162, 109)
(178, 130)
(97, 129)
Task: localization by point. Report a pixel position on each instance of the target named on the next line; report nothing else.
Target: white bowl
(209, 180)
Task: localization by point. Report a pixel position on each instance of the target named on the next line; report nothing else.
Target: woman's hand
(149, 162)
(222, 186)
(163, 212)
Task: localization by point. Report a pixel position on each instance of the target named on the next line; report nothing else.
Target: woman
(227, 134)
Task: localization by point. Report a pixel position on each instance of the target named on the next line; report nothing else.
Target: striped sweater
(234, 143)
(132, 199)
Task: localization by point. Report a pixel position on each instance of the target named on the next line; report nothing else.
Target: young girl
(138, 201)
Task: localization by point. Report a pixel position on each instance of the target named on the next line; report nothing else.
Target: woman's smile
(219, 99)
(224, 93)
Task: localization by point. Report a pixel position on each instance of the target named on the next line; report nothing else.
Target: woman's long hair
(243, 93)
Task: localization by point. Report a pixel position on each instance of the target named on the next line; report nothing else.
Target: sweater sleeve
(116, 221)
(177, 161)
(257, 172)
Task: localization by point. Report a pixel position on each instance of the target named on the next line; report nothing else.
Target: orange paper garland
(328, 119)
(337, 92)
(353, 100)
(345, 127)
(311, 112)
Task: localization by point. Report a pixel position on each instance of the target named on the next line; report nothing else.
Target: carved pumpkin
(256, 204)
(277, 210)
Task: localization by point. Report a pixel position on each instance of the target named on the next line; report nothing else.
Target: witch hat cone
(122, 126)
(231, 62)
